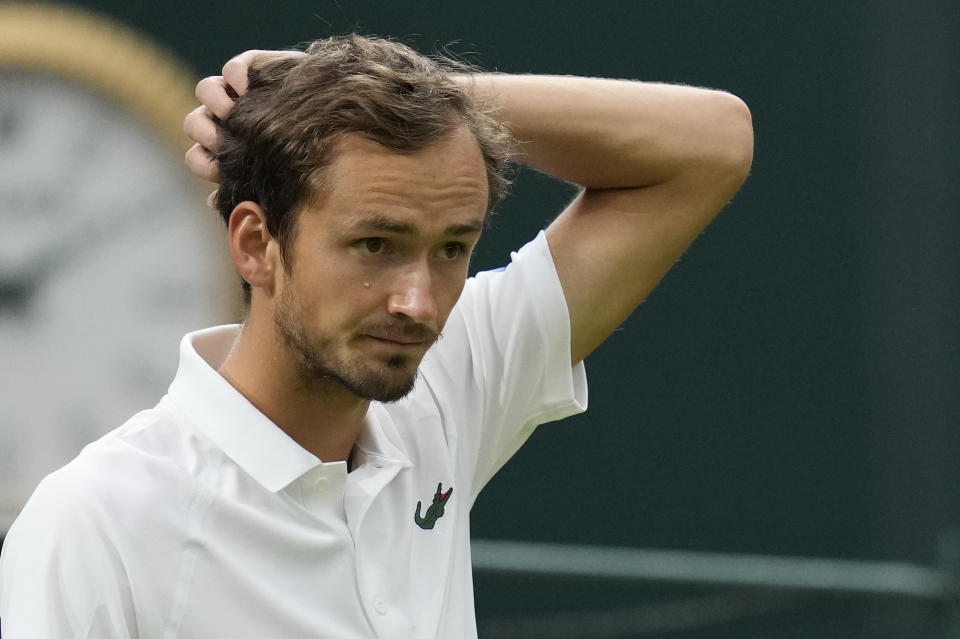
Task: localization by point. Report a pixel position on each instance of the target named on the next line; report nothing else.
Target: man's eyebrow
(380, 222)
(464, 229)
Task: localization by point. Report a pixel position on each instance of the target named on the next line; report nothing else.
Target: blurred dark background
(793, 386)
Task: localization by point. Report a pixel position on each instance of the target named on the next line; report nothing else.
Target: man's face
(378, 263)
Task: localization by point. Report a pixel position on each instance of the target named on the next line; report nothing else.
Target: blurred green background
(793, 386)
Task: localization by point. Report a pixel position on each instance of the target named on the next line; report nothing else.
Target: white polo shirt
(201, 519)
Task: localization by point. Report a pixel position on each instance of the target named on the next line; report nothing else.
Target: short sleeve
(508, 340)
(59, 577)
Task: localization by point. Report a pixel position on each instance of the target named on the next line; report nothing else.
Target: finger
(236, 68)
(212, 199)
(201, 163)
(200, 127)
(213, 92)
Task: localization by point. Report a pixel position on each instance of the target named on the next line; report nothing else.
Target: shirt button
(380, 606)
(378, 464)
(320, 483)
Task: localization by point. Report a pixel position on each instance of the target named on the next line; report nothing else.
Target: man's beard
(318, 365)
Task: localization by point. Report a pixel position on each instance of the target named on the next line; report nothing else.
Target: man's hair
(282, 133)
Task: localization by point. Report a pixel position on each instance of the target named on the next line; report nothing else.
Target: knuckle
(233, 65)
(190, 121)
(201, 88)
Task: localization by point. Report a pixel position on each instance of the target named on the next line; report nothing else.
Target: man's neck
(323, 417)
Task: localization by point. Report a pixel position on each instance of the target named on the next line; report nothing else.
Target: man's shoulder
(122, 473)
(92, 524)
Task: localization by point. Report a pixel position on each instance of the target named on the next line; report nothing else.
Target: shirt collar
(238, 428)
(228, 419)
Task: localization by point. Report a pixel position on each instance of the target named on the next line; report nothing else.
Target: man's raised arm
(656, 163)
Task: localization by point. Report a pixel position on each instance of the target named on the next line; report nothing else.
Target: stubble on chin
(321, 371)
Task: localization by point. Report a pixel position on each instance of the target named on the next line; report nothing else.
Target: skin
(376, 266)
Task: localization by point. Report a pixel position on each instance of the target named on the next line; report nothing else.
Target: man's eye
(372, 245)
(453, 250)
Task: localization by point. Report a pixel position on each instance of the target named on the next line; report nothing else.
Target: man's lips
(397, 340)
(401, 335)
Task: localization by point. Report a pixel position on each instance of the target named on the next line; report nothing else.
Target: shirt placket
(386, 614)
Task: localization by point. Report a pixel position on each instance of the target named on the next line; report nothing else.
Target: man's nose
(413, 296)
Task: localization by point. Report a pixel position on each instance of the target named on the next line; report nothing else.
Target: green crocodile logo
(435, 510)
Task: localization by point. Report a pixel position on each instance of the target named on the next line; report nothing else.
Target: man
(310, 474)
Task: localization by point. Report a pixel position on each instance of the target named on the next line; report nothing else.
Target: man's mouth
(414, 335)
(397, 340)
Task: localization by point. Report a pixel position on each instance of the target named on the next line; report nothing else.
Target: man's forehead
(369, 184)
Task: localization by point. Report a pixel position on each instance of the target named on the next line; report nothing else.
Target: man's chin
(383, 389)
(386, 381)
(375, 376)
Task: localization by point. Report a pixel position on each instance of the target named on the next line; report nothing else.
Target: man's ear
(254, 252)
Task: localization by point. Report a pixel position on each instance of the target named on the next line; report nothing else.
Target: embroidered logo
(435, 510)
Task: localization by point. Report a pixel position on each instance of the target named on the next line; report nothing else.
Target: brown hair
(281, 134)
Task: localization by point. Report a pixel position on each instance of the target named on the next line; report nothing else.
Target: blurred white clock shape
(107, 252)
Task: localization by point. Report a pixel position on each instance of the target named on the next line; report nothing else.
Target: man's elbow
(733, 145)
